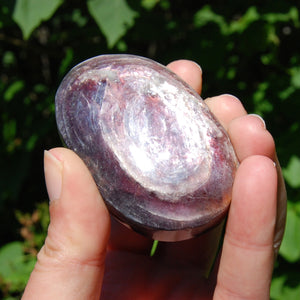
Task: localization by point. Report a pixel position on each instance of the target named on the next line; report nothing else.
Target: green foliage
(247, 48)
(113, 17)
(17, 258)
(292, 172)
(15, 267)
(285, 287)
(28, 14)
(290, 249)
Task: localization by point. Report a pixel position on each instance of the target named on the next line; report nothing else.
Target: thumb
(70, 265)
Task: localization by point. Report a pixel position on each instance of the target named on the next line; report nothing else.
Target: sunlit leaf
(114, 18)
(149, 4)
(10, 255)
(276, 287)
(206, 15)
(243, 23)
(292, 172)
(291, 15)
(281, 290)
(29, 14)
(15, 269)
(295, 77)
(262, 104)
(290, 248)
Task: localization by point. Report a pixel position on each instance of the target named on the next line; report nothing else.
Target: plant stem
(154, 247)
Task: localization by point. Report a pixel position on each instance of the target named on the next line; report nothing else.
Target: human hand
(82, 238)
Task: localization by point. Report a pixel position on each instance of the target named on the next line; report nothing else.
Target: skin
(87, 254)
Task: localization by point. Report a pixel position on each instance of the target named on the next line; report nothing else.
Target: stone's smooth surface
(162, 162)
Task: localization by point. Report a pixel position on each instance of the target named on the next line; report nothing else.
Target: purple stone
(162, 162)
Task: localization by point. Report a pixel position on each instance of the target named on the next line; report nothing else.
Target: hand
(88, 254)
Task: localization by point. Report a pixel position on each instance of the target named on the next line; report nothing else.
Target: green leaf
(292, 172)
(295, 77)
(8, 59)
(31, 142)
(291, 15)
(243, 23)
(13, 89)
(276, 287)
(149, 4)
(29, 14)
(206, 15)
(280, 289)
(15, 269)
(78, 18)
(9, 130)
(290, 249)
(66, 62)
(10, 254)
(262, 104)
(114, 18)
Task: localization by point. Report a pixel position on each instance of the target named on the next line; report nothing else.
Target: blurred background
(247, 48)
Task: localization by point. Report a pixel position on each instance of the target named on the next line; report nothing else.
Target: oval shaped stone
(162, 162)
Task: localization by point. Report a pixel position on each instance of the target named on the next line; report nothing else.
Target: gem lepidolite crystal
(162, 162)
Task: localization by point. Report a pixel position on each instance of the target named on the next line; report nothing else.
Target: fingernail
(53, 169)
(260, 118)
(197, 65)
